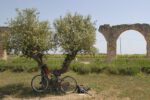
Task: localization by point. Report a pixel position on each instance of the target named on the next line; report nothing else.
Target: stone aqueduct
(3, 53)
(111, 34)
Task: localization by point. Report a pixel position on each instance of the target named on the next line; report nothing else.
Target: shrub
(33, 69)
(95, 68)
(125, 66)
(18, 69)
(111, 69)
(80, 67)
(75, 65)
(2, 65)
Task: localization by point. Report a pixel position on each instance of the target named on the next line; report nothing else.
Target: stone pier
(3, 52)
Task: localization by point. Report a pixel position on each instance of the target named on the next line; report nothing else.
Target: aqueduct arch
(111, 34)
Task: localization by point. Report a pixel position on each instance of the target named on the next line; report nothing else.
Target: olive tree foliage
(74, 34)
(29, 36)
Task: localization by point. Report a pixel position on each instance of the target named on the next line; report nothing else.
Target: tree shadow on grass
(20, 91)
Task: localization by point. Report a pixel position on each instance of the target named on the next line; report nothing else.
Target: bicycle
(48, 79)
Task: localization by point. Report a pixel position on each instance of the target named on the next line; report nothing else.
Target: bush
(146, 70)
(33, 69)
(18, 69)
(93, 67)
(80, 67)
(124, 67)
(2, 65)
(97, 66)
(76, 65)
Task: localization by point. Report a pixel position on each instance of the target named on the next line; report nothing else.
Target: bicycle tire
(71, 85)
(41, 80)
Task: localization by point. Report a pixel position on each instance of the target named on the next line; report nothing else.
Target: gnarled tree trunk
(39, 60)
(67, 61)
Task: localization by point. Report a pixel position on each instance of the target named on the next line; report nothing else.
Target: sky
(113, 12)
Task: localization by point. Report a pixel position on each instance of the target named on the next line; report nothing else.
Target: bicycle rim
(39, 83)
(68, 84)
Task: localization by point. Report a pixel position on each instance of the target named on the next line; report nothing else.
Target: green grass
(119, 66)
(108, 86)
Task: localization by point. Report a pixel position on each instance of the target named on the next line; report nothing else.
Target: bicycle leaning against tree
(51, 80)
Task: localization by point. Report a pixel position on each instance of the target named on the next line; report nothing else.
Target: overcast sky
(111, 12)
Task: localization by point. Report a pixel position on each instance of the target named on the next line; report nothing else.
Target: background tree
(29, 36)
(74, 34)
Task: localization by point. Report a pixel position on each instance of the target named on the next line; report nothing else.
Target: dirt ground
(93, 96)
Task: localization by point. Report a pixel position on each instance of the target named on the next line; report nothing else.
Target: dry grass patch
(16, 86)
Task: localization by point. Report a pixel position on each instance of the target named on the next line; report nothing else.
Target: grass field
(103, 86)
(125, 78)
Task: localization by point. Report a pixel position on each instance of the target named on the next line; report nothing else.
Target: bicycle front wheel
(68, 84)
(39, 83)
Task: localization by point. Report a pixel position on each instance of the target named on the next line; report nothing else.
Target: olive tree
(74, 34)
(29, 36)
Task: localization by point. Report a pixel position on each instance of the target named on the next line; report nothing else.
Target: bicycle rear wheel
(68, 84)
(39, 83)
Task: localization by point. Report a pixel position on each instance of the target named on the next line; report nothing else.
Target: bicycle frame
(54, 78)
